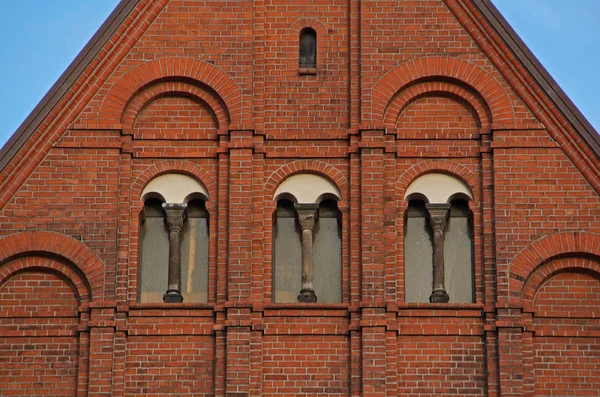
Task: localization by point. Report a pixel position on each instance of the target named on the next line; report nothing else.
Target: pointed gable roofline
(514, 43)
(540, 75)
(66, 80)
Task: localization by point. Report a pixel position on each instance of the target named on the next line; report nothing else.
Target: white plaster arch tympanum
(307, 188)
(174, 188)
(438, 188)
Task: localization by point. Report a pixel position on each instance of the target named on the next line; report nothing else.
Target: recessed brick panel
(158, 365)
(305, 366)
(437, 117)
(38, 293)
(570, 294)
(566, 366)
(38, 366)
(441, 366)
(175, 118)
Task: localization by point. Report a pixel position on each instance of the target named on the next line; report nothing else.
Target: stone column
(438, 214)
(175, 216)
(307, 215)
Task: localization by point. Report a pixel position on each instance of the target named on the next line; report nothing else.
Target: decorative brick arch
(302, 23)
(442, 68)
(176, 88)
(173, 166)
(32, 263)
(551, 268)
(441, 166)
(317, 167)
(41, 243)
(537, 254)
(431, 88)
(122, 91)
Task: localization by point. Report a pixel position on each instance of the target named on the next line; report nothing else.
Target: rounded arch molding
(173, 166)
(532, 262)
(33, 263)
(441, 69)
(47, 243)
(317, 167)
(401, 100)
(441, 166)
(550, 269)
(302, 23)
(151, 92)
(122, 91)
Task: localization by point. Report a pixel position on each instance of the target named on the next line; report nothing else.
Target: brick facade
(212, 90)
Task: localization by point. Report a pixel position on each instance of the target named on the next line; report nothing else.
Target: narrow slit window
(308, 49)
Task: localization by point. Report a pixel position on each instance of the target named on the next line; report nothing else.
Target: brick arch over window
(442, 68)
(405, 97)
(551, 268)
(302, 23)
(537, 254)
(317, 167)
(188, 89)
(41, 243)
(174, 166)
(441, 166)
(36, 263)
(129, 85)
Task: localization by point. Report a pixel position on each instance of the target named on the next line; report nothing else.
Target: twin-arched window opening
(307, 242)
(174, 241)
(438, 241)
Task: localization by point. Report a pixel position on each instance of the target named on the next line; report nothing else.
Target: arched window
(174, 241)
(308, 48)
(307, 243)
(438, 241)
(458, 252)
(154, 252)
(287, 253)
(418, 253)
(327, 253)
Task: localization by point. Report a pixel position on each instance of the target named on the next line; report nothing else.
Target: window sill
(307, 71)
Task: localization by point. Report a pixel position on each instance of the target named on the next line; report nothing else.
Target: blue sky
(40, 38)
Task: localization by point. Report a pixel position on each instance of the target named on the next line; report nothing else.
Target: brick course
(211, 89)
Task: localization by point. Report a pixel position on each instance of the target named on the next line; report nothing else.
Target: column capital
(307, 215)
(438, 214)
(175, 214)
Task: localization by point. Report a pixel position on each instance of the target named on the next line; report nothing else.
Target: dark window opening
(308, 48)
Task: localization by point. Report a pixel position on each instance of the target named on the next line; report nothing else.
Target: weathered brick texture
(213, 90)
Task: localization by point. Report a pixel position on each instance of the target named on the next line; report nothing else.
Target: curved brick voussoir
(47, 243)
(124, 91)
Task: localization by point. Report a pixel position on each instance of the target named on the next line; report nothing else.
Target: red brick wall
(566, 366)
(305, 365)
(39, 366)
(441, 366)
(212, 89)
(156, 365)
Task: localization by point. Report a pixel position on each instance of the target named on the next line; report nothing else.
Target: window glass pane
(308, 48)
(154, 254)
(287, 254)
(458, 254)
(418, 254)
(194, 254)
(327, 254)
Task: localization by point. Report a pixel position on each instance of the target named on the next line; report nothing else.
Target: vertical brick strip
(374, 361)
(372, 225)
(240, 223)
(101, 361)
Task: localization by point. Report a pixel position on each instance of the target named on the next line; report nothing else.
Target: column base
(173, 296)
(439, 296)
(307, 296)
